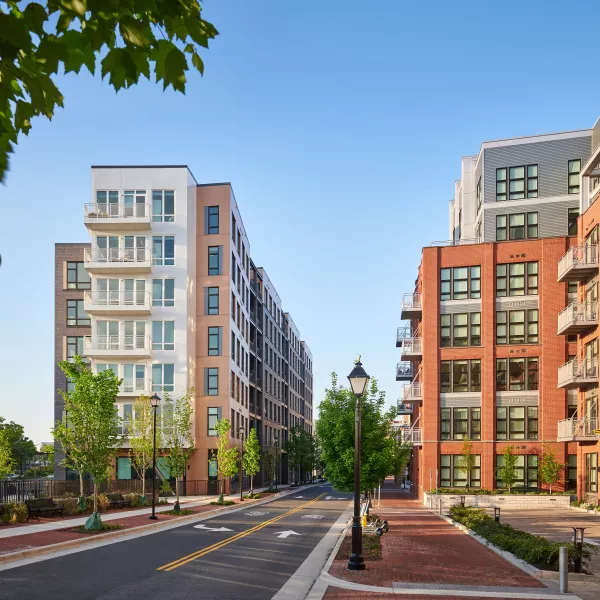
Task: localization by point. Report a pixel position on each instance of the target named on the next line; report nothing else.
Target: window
(532, 225)
(163, 292)
(460, 329)
(517, 279)
(522, 374)
(572, 221)
(163, 206)
(214, 415)
(134, 378)
(456, 423)
(74, 347)
(478, 194)
(163, 376)
(135, 203)
(522, 182)
(532, 181)
(163, 250)
(500, 184)
(591, 472)
(211, 381)
(108, 202)
(453, 474)
(214, 260)
(572, 472)
(516, 422)
(517, 327)
(501, 228)
(214, 341)
(574, 170)
(460, 376)
(520, 226)
(76, 316)
(459, 283)
(526, 470)
(211, 219)
(163, 335)
(211, 300)
(77, 277)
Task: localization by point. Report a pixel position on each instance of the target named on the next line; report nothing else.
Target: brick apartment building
(167, 296)
(485, 352)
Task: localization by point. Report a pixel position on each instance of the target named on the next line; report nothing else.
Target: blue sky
(341, 126)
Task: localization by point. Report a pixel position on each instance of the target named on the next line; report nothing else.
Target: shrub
(69, 505)
(222, 503)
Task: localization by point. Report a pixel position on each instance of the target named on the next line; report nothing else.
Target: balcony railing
(412, 392)
(411, 306)
(117, 216)
(574, 430)
(126, 256)
(129, 345)
(114, 301)
(577, 373)
(404, 371)
(135, 386)
(460, 242)
(412, 435)
(411, 348)
(577, 317)
(578, 262)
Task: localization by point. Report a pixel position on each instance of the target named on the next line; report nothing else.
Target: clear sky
(341, 125)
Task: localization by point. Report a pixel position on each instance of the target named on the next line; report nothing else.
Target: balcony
(113, 302)
(577, 317)
(117, 217)
(117, 346)
(411, 306)
(578, 373)
(578, 263)
(578, 430)
(117, 260)
(132, 388)
(412, 348)
(412, 435)
(412, 392)
(404, 371)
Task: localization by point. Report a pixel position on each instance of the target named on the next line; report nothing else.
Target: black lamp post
(358, 381)
(277, 462)
(241, 433)
(578, 540)
(154, 401)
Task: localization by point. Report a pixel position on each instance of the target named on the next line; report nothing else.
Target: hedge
(503, 492)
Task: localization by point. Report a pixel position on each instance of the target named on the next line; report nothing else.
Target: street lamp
(358, 381)
(154, 402)
(276, 462)
(578, 541)
(241, 433)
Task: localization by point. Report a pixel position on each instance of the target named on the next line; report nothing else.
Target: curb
(585, 510)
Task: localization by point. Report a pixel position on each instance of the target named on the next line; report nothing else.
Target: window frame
(215, 251)
(165, 243)
(76, 284)
(453, 467)
(528, 383)
(159, 196)
(504, 274)
(507, 323)
(211, 294)
(526, 468)
(573, 188)
(163, 300)
(78, 320)
(212, 418)
(214, 350)
(473, 280)
(591, 472)
(166, 327)
(572, 223)
(211, 211)
(449, 341)
(472, 386)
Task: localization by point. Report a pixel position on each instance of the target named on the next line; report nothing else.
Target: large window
(526, 470)
(460, 329)
(453, 474)
(459, 283)
(522, 182)
(517, 327)
(76, 316)
(163, 377)
(574, 170)
(456, 423)
(214, 341)
(211, 300)
(163, 206)
(163, 292)
(163, 250)
(516, 422)
(516, 374)
(517, 279)
(163, 335)
(212, 219)
(214, 415)
(572, 472)
(214, 260)
(460, 376)
(211, 381)
(74, 347)
(518, 226)
(572, 221)
(591, 472)
(77, 277)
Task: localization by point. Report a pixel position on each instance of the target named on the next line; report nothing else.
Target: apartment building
(162, 296)
(475, 367)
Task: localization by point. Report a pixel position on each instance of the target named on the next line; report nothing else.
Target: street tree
(335, 430)
(551, 469)
(400, 455)
(91, 434)
(7, 462)
(507, 472)
(270, 458)
(298, 450)
(129, 39)
(467, 460)
(48, 449)
(177, 436)
(21, 447)
(251, 459)
(227, 458)
(141, 440)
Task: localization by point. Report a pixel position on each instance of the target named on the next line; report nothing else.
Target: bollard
(462, 501)
(563, 569)
(497, 514)
(440, 506)
(578, 542)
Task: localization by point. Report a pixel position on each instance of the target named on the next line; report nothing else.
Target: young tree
(550, 468)
(335, 430)
(400, 456)
(270, 461)
(296, 448)
(128, 38)
(21, 447)
(177, 436)
(227, 458)
(251, 459)
(508, 471)
(92, 431)
(7, 462)
(466, 460)
(141, 439)
(49, 450)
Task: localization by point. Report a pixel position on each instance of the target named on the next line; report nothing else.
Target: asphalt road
(250, 561)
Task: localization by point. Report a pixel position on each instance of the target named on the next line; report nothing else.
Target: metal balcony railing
(117, 298)
(572, 430)
(412, 435)
(412, 347)
(412, 392)
(411, 305)
(116, 255)
(404, 371)
(577, 317)
(135, 386)
(111, 343)
(116, 211)
(578, 262)
(460, 242)
(578, 372)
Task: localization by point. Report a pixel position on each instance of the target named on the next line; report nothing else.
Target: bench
(117, 501)
(42, 507)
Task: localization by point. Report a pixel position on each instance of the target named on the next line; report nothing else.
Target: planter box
(512, 501)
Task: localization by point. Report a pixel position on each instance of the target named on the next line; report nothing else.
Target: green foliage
(508, 471)
(551, 469)
(104, 527)
(300, 448)
(179, 513)
(12, 434)
(251, 458)
(466, 460)
(130, 38)
(16, 511)
(400, 455)
(501, 492)
(227, 458)
(165, 488)
(335, 430)
(534, 549)
(7, 461)
(141, 438)
(38, 472)
(49, 450)
(222, 502)
(270, 459)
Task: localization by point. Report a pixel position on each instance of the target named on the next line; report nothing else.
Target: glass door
(108, 335)
(135, 334)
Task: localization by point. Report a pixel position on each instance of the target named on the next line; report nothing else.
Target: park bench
(117, 501)
(43, 507)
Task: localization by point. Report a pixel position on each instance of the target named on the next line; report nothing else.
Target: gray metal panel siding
(552, 216)
(552, 158)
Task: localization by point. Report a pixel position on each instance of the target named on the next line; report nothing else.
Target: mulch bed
(371, 548)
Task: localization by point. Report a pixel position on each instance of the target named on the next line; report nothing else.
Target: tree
(128, 37)
(21, 447)
(251, 459)
(400, 455)
(91, 437)
(141, 439)
(335, 430)
(467, 460)
(48, 449)
(177, 436)
(270, 461)
(508, 471)
(227, 458)
(298, 450)
(550, 468)
(7, 462)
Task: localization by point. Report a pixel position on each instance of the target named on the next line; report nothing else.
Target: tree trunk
(95, 497)
(80, 485)
(177, 507)
(551, 489)
(144, 483)
(251, 485)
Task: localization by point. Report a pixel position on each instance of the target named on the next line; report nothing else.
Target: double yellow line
(194, 555)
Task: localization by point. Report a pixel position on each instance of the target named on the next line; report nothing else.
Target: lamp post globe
(155, 403)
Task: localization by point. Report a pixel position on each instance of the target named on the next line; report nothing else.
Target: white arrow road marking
(332, 498)
(296, 497)
(312, 516)
(256, 513)
(286, 534)
(212, 528)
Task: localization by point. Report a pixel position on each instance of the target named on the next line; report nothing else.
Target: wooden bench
(117, 501)
(43, 507)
